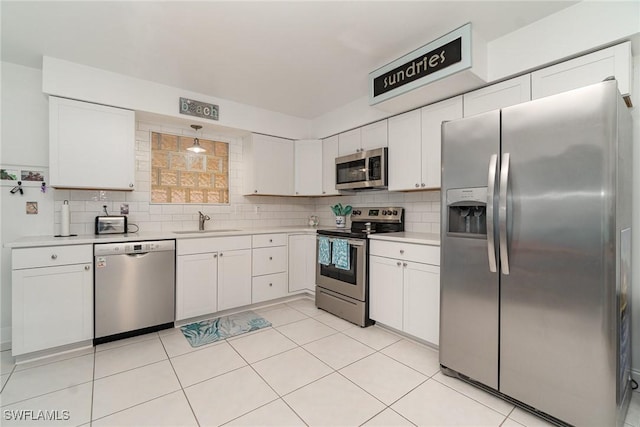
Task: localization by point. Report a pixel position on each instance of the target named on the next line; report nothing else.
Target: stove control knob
(384, 212)
(395, 212)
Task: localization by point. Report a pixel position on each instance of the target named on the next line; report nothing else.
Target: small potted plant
(341, 213)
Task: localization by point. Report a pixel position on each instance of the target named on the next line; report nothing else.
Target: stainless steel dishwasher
(134, 288)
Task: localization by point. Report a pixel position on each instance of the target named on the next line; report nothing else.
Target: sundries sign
(440, 58)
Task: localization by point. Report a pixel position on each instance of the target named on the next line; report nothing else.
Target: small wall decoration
(32, 208)
(9, 174)
(198, 109)
(31, 175)
(124, 209)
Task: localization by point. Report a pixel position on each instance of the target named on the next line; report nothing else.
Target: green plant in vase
(341, 213)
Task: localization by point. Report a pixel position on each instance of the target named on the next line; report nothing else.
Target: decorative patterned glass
(179, 176)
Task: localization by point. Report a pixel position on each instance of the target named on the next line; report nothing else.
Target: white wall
(577, 29)
(25, 145)
(70, 80)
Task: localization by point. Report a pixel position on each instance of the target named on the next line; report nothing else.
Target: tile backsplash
(422, 209)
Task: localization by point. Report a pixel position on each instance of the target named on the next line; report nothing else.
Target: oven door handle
(350, 241)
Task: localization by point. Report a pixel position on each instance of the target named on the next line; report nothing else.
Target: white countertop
(409, 237)
(84, 239)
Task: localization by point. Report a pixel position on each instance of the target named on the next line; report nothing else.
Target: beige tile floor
(310, 368)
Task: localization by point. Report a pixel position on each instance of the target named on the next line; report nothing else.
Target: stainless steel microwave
(365, 170)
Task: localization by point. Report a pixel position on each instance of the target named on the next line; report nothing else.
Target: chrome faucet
(201, 219)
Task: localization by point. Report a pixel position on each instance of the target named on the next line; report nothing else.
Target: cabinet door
(374, 135)
(329, 154)
(585, 70)
(421, 317)
(91, 146)
(234, 279)
(405, 165)
(302, 262)
(308, 167)
(52, 306)
(432, 118)
(272, 165)
(349, 142)
(385, 291)
(499, 95)
(196, 285)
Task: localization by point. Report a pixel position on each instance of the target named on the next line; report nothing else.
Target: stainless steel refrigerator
(536, 254)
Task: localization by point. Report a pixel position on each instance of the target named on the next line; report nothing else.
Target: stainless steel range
(342, 285)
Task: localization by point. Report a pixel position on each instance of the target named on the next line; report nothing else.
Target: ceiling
(300, 58)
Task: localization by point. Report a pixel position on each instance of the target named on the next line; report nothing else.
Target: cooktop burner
(365, 221)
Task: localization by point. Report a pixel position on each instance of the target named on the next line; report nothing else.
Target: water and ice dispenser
(467, 211)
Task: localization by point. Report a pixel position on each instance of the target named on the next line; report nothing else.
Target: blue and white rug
(208, 331)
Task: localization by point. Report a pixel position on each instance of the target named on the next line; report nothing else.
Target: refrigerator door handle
(502, 214)
(491, 184)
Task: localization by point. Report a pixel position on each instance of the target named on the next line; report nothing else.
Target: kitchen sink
(205, 231)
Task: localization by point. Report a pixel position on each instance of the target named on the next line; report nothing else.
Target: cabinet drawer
(268, 287)
(268, 240)
(269, 260)
(50, 256)
(406, 251)
(212, 244)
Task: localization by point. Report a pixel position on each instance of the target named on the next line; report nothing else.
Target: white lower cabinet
(234, 279)
(302, 262)
(268, 287)
(385, 291)
(52, 304)
(269, 267)
(212, 274)
(197, 289)
(405, 294)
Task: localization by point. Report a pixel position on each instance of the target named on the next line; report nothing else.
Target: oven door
(352, 282)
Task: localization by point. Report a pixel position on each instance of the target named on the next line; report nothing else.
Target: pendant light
(196, 148)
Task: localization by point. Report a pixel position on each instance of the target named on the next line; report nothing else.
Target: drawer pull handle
(398, 263)
(221, 254)
(215, 255)
(270, 240)
(270, 258)
(401, 251)
(404, 264)
(54, 256)
(86, 267)
(270, 284)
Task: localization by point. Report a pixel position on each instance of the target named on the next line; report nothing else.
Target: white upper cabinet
(329, 154)
(308, 167)
(585, 70)
(432, 117)
(364, 138)
(349, 142)
(374, 135)
(405, 148)
(499, 95)
(414, 145)
(91, 146)
(268, 165)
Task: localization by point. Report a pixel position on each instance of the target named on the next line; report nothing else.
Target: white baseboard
(5, 344)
